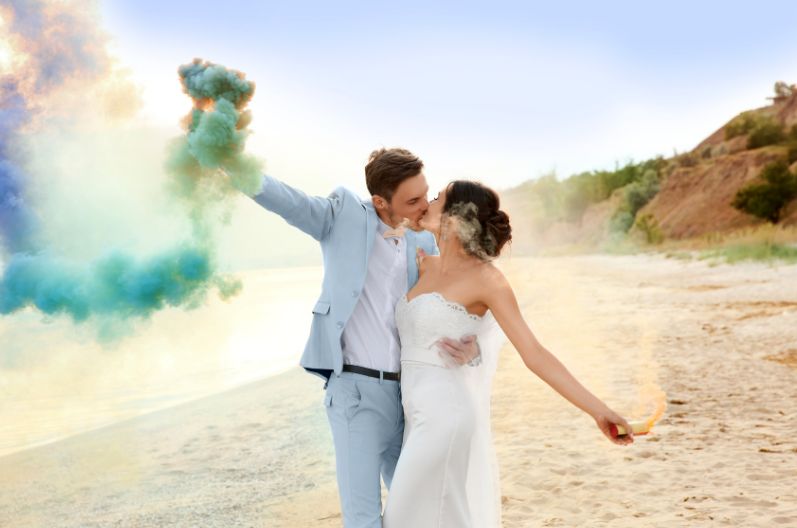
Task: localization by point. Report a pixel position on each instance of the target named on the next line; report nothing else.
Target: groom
(369, 263)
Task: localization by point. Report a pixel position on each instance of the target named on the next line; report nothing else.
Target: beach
(717, 342)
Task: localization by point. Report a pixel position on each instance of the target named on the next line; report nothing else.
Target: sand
(720, 341)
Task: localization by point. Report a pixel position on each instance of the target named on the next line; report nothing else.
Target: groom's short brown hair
(387, 168)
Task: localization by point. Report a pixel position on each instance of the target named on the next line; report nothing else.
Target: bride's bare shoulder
(492, 278)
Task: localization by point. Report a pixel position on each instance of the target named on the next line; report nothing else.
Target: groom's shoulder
(345, 195)
(427, 239)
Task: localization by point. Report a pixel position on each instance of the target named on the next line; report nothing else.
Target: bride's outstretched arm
(502, 303)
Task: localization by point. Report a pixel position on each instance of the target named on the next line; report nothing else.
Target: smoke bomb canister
(639, 428)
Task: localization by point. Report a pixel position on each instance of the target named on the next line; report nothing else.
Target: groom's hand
(461, 350)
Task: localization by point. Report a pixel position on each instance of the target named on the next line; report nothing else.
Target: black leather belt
(392, 376)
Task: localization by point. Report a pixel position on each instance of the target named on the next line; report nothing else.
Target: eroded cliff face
(694, 198)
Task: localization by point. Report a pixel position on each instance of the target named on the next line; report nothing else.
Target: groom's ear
(378, 201)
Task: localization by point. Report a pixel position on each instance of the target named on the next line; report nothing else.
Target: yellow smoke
(652, 399)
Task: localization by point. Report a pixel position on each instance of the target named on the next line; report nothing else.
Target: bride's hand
(605, 422)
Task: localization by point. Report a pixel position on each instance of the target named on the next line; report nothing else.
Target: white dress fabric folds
(447, 473)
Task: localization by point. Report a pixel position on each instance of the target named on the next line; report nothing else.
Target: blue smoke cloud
(118, 285)
(16, 218)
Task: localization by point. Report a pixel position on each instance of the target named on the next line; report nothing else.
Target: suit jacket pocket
(321, 308)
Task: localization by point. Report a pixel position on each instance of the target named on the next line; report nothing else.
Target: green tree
(635, 196)
(767, 199)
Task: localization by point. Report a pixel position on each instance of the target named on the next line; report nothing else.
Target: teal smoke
(210, 160)
(206, 165)
(115, 285)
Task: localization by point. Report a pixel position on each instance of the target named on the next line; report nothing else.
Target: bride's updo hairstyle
(483, 228)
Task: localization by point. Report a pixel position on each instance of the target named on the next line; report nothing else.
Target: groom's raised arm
(312, 214)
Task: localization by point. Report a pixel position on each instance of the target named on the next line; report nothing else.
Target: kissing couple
(406, 335)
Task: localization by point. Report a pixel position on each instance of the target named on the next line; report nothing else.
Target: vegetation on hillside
(566, 200)
(549, 200)
(768, 197)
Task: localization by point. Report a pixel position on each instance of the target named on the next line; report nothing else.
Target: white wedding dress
(447, 473)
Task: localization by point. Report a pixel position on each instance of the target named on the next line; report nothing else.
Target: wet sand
(720, 341)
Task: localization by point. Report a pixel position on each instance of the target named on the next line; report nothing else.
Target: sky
(500, 91)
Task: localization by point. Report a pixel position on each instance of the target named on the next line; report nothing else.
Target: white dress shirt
(370, 338)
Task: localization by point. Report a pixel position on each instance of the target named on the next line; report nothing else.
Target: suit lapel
(412, 265)
(370, 229)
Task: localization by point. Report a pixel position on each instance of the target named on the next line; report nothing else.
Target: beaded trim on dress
(452, 304)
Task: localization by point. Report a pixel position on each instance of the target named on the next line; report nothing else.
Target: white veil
(483, 484)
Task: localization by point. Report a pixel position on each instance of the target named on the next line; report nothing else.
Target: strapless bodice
(425, 319)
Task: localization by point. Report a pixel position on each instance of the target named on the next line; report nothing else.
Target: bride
(447, 473)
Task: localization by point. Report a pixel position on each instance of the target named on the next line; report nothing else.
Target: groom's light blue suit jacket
(346, 227)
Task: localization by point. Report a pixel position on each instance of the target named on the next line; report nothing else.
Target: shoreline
(145, 414)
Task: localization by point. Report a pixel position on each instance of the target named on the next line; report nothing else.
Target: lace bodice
(427, 318)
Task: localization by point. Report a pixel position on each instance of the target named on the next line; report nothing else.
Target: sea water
(58, 379)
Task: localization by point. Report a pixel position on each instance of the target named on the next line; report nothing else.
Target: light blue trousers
(367, 423)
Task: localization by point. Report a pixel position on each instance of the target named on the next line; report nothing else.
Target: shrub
(763, 130)
(767, 199)
(639, 193)
(766, 132)
(648, 225)
(687, 159)
(791, 156)
(621, 221)
(556, 200)
(635, 196)
(741, 124)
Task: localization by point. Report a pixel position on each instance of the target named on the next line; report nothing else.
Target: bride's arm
(502, 303)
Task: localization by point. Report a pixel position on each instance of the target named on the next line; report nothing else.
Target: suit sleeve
(314, 215)
(432, 248)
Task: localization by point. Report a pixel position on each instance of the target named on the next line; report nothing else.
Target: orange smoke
(653, 394)
(65, 66)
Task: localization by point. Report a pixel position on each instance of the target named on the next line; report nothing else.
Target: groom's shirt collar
(381, 226)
